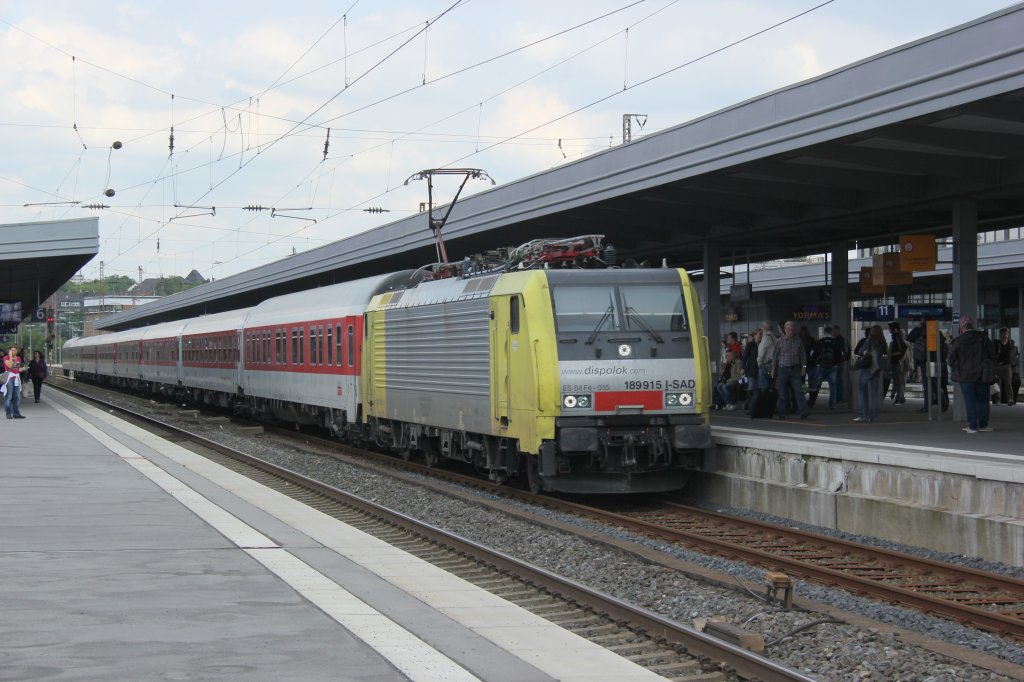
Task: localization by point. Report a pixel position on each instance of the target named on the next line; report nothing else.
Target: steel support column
(712, 301)
(965, 258)
(965, 274)
(840, 290)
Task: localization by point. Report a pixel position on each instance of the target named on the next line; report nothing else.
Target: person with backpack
(765, 354)
(825, 356)
(972, 359)
(897, 349)
(751, 372)
(869, 356)
(843, 354)
(1005, 356)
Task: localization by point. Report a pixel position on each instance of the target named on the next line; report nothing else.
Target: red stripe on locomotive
(606, 401)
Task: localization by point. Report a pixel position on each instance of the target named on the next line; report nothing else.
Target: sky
(318, 111)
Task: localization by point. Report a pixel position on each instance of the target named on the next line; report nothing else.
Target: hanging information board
(918, 252)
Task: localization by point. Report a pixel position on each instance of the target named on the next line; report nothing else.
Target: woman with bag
(11, 388)
(37, 371)
(869, 361)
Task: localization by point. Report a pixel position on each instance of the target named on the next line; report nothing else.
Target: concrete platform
(127, 557)
(902, 478)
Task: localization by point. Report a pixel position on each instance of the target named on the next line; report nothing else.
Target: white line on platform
(407, 652)
(546, 646)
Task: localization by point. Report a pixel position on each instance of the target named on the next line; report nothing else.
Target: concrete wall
(948, 505)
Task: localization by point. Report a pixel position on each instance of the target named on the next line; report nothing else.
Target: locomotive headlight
(576, 401)
(684, 399)
(569, 401)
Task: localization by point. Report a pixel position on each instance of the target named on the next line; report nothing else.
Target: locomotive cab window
(639, 308)
(513, 314)
(653, 307)
(585, 309)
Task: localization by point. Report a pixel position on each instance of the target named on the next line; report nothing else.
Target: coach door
(238, 361)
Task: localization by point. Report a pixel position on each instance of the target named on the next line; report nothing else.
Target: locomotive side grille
(441, 348)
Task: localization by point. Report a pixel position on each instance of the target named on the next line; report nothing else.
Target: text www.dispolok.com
(606, 371)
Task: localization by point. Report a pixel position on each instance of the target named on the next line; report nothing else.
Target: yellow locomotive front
(628, 378)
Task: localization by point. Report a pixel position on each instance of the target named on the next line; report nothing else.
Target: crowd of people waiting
(795, 364)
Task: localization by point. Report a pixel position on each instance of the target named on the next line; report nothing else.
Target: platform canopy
(37, 258)
(862, 154)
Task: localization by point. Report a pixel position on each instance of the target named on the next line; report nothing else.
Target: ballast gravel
(824, 650)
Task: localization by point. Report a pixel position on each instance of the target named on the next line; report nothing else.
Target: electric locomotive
(585, 379)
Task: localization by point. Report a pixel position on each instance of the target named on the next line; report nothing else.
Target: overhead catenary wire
(641, 83)
(651, 79)
(479, 144)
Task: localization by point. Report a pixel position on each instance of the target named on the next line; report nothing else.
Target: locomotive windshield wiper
(600, 323)
(631, 313)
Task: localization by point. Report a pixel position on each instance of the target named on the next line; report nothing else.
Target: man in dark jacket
(826, 357)
(967, 355)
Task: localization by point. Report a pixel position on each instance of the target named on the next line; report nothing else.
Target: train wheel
(533, 478)
(430, 454)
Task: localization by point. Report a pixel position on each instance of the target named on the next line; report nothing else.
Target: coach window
(351, 346)
(337, 341)
(320, 359)
(266, 347)
(330, 345)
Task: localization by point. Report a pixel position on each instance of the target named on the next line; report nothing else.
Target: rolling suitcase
(763, 401)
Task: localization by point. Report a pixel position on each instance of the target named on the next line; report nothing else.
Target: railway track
(988, 601)
(662, 646)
